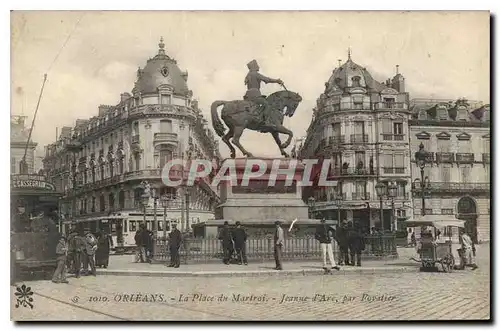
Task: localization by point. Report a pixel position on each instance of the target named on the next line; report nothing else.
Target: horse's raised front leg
(276, 137)
(238, 131)
(283, 130)
(226, 138)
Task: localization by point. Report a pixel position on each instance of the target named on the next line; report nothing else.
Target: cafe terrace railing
(205, 250)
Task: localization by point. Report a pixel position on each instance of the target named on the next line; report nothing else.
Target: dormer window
(356, 81)
(442, 113)
(166, 99)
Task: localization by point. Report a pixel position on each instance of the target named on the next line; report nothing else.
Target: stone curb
(236, 273)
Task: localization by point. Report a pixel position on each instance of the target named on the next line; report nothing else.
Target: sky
(440, 54)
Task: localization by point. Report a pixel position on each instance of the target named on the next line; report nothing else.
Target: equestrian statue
(255, 112)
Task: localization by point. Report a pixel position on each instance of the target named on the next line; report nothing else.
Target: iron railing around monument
(205, 250)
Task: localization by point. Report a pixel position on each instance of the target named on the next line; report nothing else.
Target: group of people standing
(234, 244)
(77, 252)
(144, 241)
(350, 239)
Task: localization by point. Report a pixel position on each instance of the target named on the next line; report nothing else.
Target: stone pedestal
(258, 205)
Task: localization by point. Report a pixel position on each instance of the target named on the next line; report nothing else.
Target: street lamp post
(392, 191)
(338, 200)
(311, 201)
(381, 189)
(188, 226)
(421, 158)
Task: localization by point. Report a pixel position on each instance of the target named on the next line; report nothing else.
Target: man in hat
(252, 81)
(174, 244)
(341, 236)
(240, 242)
(279, 240)
(75, 251)
(90, 243)
(227, 242)
(356, 242)
(61, 251)
(324, 234)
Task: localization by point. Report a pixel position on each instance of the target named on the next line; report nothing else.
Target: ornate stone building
(18, 137)
(361, 126)
(457, 134)
(101, 162)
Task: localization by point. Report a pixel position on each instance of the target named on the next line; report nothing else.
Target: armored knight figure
(252, 81)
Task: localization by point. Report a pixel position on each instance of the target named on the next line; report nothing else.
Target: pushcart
(432, 250)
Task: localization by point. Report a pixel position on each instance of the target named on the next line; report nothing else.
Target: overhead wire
(23, 161)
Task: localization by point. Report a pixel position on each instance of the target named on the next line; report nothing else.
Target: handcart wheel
(447, 263)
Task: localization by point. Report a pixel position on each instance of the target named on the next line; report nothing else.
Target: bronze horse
(243, 114)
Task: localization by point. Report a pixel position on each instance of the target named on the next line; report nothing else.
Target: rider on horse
(252, 81)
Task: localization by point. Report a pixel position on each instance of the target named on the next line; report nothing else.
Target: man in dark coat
(240, 240)
(341, 237)
(75, 248)
(356, 242)
(146, 242)
(139, 256)
(227, 243)
(174, 243)
(104, 245)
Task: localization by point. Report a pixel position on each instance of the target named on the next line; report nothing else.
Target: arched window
(102, 203)
(121, 199)
(111, 201)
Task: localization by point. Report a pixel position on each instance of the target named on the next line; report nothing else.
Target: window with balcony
(102, 203)
(121, 199)
(166, 99)
(135, 129)
(360, 191)
(445, 171)
(165, 156)
(359, 135)
(399, 163)
(398, 131)
(444, 145)
(165, 126)
(111, 199)
(401, 191)
(137, 159)
(387, 128)
(388, 160)
(360, 160)
(465, 173)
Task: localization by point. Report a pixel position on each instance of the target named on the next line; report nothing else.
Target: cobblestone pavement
(403, 296)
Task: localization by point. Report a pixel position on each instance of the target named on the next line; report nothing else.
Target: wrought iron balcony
(453, 187)
(393, 137)
(390, 105)
(445, 157)
(465, 157)
(486, 158)
(165, 136)
(394, 170)
(359, 138)
(352, 171)
(361, 195)
(336, 140)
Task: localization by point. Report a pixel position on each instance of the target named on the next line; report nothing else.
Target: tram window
(133, 226)
(125, 226)
(113, 228)
(160, 226)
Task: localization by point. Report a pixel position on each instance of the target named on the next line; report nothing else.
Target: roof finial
(162, 47)
(397, 69)
(349, 53)
(340, 61)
